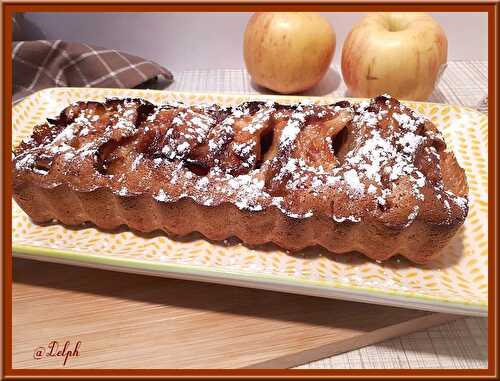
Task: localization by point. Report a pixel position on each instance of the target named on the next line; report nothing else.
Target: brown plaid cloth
(41, 64)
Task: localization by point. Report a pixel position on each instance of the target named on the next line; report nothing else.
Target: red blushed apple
(288, 52)
(401, 54)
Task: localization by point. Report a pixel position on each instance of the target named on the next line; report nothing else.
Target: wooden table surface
(136, 321)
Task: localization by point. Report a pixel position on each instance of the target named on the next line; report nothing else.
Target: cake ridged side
(109, 211)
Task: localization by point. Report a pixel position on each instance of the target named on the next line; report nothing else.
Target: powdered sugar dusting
(352, 180)
(201, 155)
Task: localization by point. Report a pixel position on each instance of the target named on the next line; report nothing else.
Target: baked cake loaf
(373, 177)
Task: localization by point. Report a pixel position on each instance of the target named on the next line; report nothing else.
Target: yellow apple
(288, 52)
(401, 54)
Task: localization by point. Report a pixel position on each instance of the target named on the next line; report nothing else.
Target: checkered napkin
(41, 64)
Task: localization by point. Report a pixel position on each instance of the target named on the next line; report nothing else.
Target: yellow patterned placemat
(456, 282)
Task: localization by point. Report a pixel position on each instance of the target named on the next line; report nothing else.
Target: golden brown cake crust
(373, 177)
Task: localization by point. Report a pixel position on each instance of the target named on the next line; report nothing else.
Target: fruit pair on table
(402, 54)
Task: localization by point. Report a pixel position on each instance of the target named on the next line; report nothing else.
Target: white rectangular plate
(455, 283)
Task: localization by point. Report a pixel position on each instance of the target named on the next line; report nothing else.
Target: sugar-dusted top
(374, 160)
